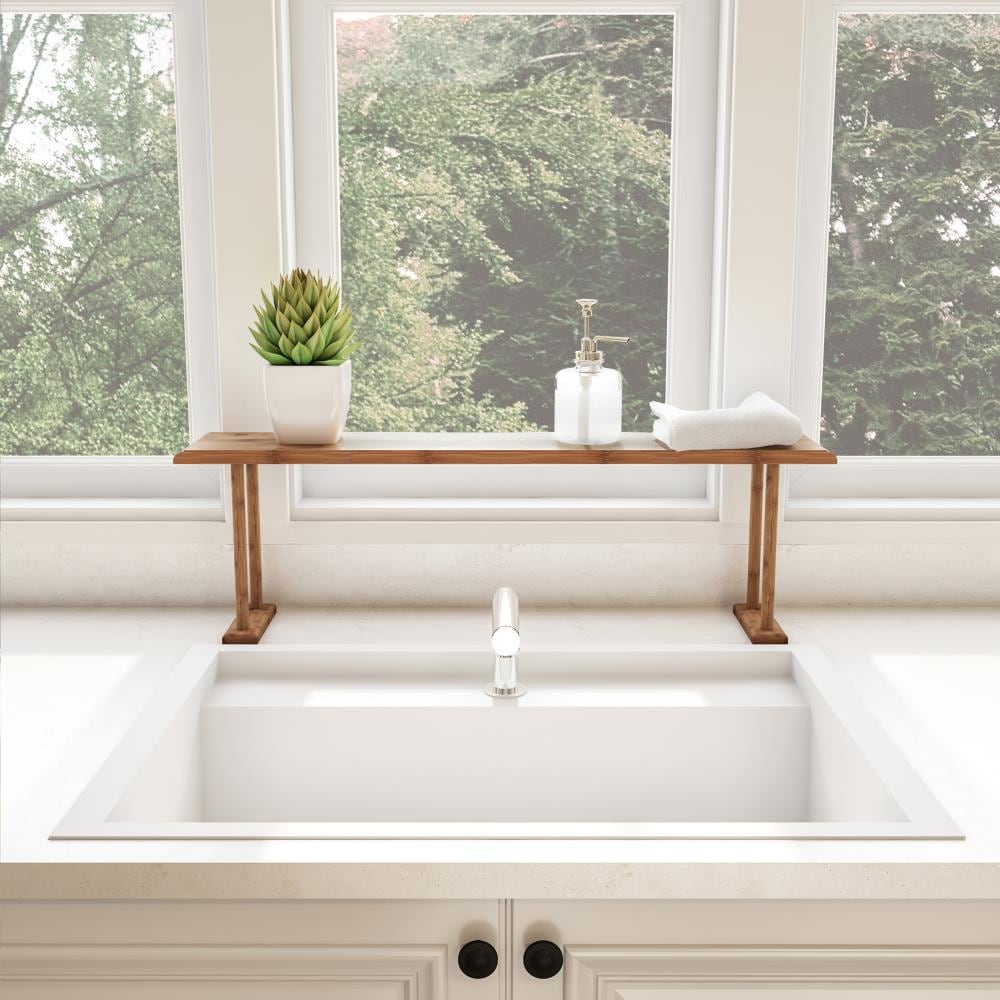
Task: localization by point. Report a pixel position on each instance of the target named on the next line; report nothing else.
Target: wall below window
(620, 573)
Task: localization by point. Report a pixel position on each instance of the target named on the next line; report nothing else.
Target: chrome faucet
(506, 642)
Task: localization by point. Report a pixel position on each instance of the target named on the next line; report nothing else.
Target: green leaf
(327, 330)
(338, 342)
(311, 325)
(297, 335)
(283, 323)
(337, 337)
(341, 358)
(338, 350)
(301, 355)
(269, 303)
(290, 314)
(270, 357)
(266, 327)
(315, 343)
(262, 341)
(271, 331)
(331, 350)
(343, 318)
(286, 346)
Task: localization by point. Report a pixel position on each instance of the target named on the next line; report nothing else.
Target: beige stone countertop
(74, 679)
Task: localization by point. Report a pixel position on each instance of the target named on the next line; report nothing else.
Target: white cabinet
(758, 950)
(408, 950)
(244, 951)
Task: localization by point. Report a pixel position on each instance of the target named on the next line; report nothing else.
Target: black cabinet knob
(478, 959)
(543, 959)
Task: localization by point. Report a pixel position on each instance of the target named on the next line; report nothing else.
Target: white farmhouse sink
(361, 742)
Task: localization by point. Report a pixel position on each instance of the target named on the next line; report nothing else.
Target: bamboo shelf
(244, 452)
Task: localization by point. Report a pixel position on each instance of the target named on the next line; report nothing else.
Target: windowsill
(112, 487)
(462, 509)
(893, 509)
(113, 509)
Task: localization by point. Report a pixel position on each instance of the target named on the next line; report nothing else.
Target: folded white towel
(756, 423)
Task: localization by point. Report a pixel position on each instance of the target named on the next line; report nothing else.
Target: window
(912, 358)
(493, 168)
(97, 298)
(479, 171)
(910, 310)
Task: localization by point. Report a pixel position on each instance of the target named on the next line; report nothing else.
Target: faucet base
(495, 692)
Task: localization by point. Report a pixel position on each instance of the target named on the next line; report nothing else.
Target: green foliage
(493, 170)
(912, 361)
(302, 323)
(92, 352)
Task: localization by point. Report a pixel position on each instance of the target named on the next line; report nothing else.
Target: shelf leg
(753, 545)
(238, 485)
(770, 548)
(252, 614)
(253, 537)
(757, 614)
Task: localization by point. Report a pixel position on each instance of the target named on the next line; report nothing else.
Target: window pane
(91, 322)
(493, 170)
(912, 362)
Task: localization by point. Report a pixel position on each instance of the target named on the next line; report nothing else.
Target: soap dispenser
(588, 395)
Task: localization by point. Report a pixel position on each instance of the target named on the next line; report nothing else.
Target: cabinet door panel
(391, 950)
(759, 950)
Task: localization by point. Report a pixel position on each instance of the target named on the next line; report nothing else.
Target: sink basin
(638, 742)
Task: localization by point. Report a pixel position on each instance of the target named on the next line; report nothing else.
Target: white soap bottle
(588, 395)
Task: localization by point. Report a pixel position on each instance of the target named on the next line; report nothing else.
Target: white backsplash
(622, 573)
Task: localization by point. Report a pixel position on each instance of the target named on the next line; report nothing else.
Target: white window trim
(693, 278)
(859, 487)
(144, 487)
(750, 353)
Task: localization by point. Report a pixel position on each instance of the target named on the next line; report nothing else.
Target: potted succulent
(304, 334)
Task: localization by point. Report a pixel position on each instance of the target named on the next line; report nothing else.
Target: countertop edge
(848, 881)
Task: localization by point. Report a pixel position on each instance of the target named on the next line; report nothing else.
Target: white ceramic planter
(308, 403)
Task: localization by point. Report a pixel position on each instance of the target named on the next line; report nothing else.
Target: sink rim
(196, 673)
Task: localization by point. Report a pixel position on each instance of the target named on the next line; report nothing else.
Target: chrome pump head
(589, 357)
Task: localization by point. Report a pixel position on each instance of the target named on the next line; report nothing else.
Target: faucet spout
(506, 643)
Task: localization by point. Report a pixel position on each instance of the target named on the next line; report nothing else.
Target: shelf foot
(749, 618)
(260, 618)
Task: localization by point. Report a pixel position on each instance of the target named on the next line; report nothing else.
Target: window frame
(873, 488)
(116, 487)
(319, 493)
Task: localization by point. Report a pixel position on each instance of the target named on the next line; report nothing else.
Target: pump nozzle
(588, 355)
(587, 309)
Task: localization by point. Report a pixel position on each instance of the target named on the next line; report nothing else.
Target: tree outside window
(92, 353)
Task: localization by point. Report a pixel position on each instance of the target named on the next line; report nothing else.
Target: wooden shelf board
(223, 448)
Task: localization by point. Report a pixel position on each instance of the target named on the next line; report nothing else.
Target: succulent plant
(302, 323)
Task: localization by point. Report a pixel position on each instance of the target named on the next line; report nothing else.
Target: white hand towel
(756, 423)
